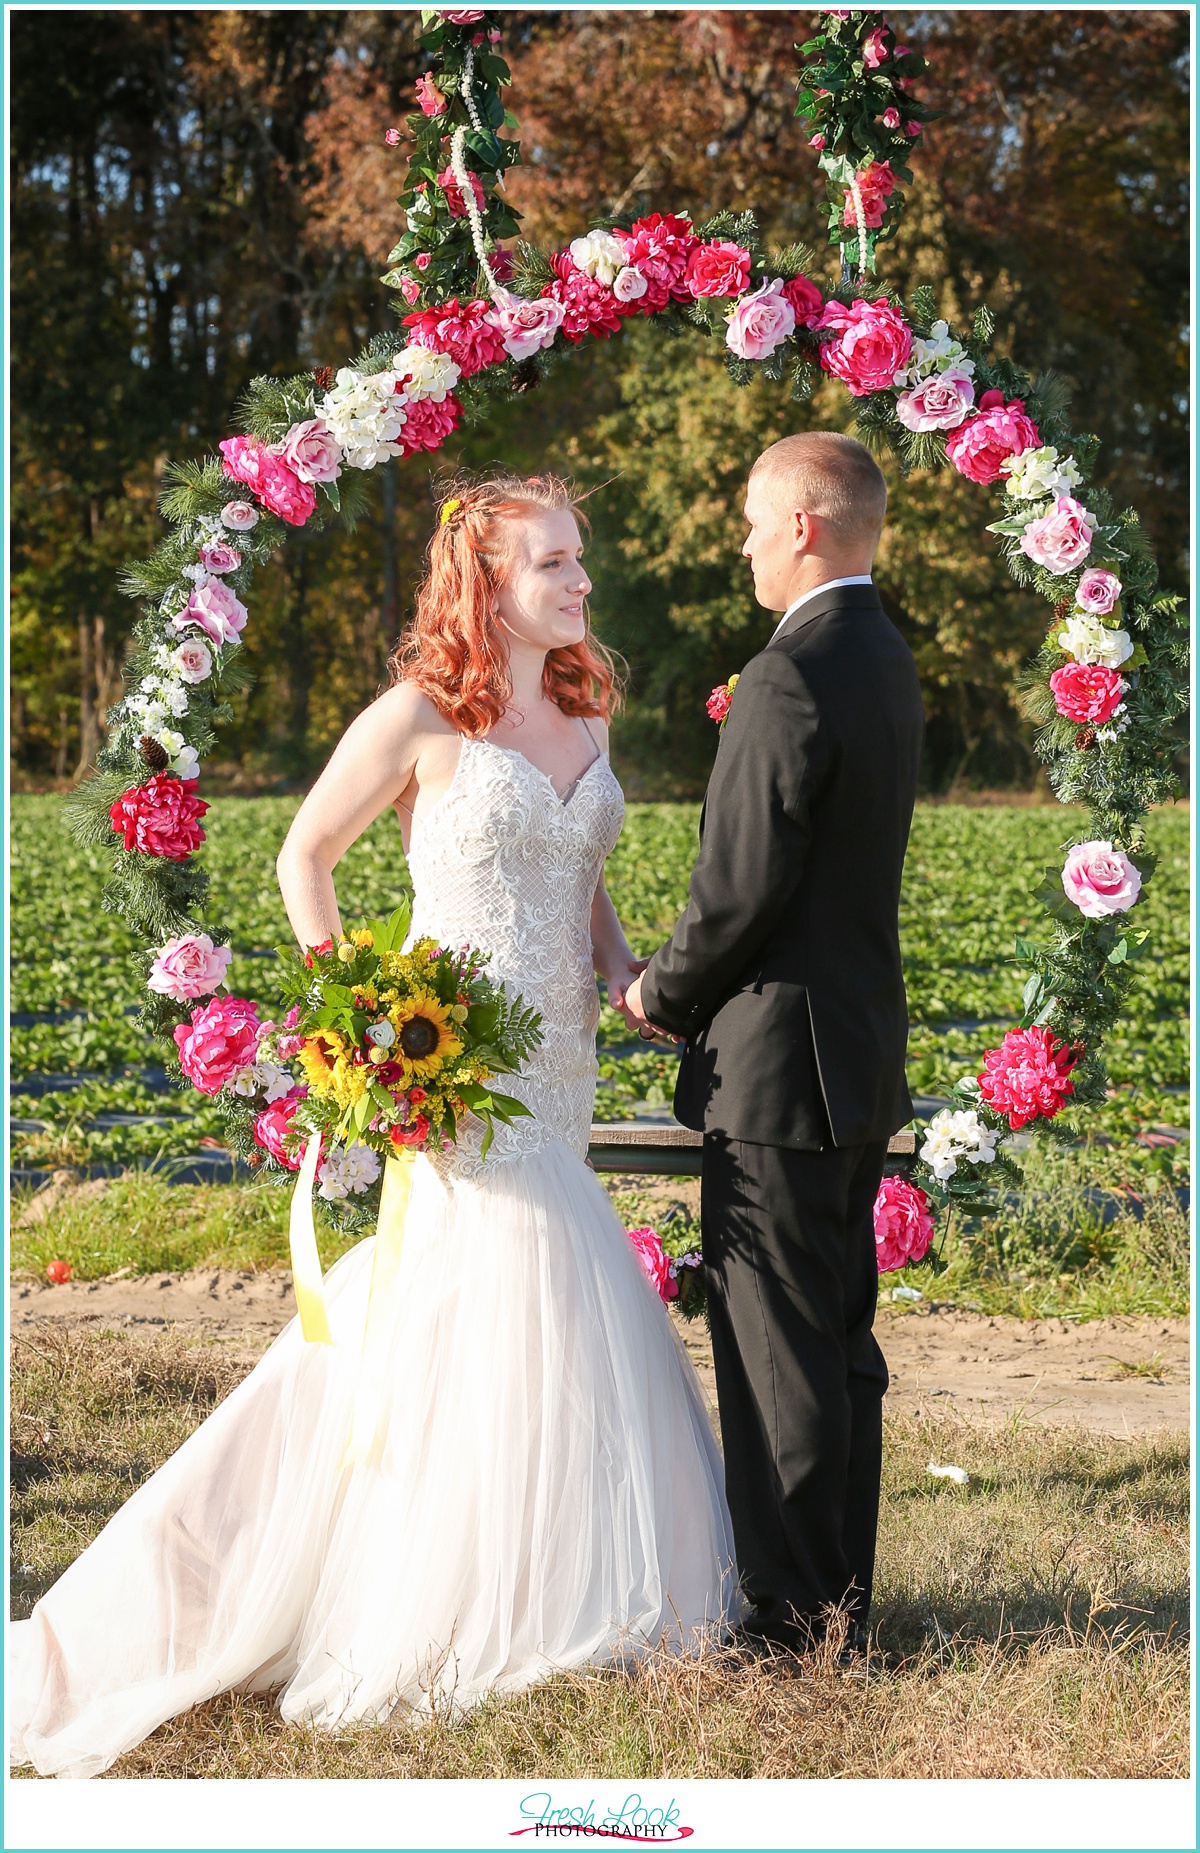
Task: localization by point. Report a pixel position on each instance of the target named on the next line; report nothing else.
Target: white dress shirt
(858, 579)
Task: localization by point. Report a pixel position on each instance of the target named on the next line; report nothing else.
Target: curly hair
(452, 649)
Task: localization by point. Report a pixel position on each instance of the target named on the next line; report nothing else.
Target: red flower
(718, 702)
(160, 818)
(462, 331)
(453, 192)
(1026, 1077)
(999, 431)
(58, 1272)
(428, 423)
(326, 945)
(1087, 692)
(414, 1134)
(660, 246)
(591, 307)
(806, 300)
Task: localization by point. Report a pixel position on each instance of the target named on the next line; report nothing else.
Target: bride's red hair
(452, 650)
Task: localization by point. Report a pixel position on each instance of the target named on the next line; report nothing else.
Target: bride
(549, 1492)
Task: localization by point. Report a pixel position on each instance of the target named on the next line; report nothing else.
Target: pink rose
(276, 486)
(312, 451)
(903, 1224)
(660, 247)
(525, 326)
(902, 51)
(761, 321)
(654, 1263)
(466, 332)
(1087, 692)
(913, 129)
(423, 259)
(718, 269)
(872, 344)
(392, 137)
(807, 302)
(217, 556)
(891, 118)
(980, 447)
(428, 423)
(453, 192)
(191, 661)
(876, 184)
(874, 48)
(239, 516)
(1100, 880)
(816, 141)
(1026, 1077)
(219, 612)
(432, 102)
(1098, 592)
(189, 966)
(410, 289)
(465, 16)
(160, 818)
(939, 403)
(286, 1043)
(718, 704)
(221, 1037)
(1061, 540)
(273, 1130)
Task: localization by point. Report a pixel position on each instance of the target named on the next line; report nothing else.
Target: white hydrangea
(354, 1168)
(1035, 474)
(426, 375)
(935, 355)
(951, 1136)
(266, 1078)
(366, 415)
(171, 693)
(599, 255)
(1088, 639)
(150, 715)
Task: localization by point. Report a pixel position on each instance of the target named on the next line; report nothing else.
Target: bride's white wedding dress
(549, 1492)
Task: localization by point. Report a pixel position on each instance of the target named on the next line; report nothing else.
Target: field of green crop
(969, 878)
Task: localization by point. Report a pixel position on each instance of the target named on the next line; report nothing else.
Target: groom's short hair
(830, 475)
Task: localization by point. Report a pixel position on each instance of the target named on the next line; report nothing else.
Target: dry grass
(1030, 1624)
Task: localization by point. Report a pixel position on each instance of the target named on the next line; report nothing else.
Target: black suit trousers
(789, 1253)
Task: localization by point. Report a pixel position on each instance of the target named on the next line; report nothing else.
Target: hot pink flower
(465, 332)
(1100, 880)
(816, 141)
(939, 403)
(654, 1263)
(718, 269)
(217, 556)
(808, 304)
(189, 966)
(872, 344)
(1061, 540)
(410, 289)
(903, 1224)
(913, 129)
(1087, 692)
(219, 612)
(589, 307)
(312, 451)
(718, 704)
(391, 137)
(287, 1045)
(874, 48)
(273, 1130)
(1027, 1076)
(221, 1037)
(423, 259)
(276, 486)
(428, 423)
(660, 246)
(464, 16)
(430, 98)
(453, 192)
(891, 119)
(1098, 592)
(998, 431)
(161, 817)
(876, 184)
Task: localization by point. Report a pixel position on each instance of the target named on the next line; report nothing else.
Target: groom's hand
(636, 1017)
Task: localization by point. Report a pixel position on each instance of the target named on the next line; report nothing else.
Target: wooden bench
(674, 1150)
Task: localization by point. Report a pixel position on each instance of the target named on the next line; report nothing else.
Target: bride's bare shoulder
(403, 710)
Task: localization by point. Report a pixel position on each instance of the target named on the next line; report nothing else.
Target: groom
(783, 978)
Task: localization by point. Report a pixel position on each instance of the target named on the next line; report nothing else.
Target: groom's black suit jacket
(783, 973)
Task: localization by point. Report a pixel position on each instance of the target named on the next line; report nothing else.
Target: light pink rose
(430, 98)
(423, 259)
(1061, 540)
(220, 1038)
(939, 403)
(874, 49)
(219, 612)
(189, 967)
(312, 451)
(392, 137)
(191, 660)
(240, 516)
(1100, 880)
(217, 556)
(410, 289)
(629, 285)
(761, 321)
(526, 326)
(1098, 592)
(891, 118)
(872, 344)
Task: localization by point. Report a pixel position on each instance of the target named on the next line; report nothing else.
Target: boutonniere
(718, 702)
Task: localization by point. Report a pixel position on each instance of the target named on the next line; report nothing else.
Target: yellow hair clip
(450, 509)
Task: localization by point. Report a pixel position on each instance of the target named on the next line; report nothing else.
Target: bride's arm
(369, 769)
(611, 951)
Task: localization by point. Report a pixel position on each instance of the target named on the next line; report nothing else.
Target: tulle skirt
(548, 1494)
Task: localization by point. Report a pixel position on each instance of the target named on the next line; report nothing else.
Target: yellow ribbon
(306, 1262)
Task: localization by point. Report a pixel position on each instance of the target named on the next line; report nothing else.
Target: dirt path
(1113, 1376)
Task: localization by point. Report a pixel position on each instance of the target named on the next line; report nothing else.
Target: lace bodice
(504, 864)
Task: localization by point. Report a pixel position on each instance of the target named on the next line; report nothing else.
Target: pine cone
(253, 1159)
(526, 377)
(1085, 738)
(155, 756)
(322, 378)
(1062, 609)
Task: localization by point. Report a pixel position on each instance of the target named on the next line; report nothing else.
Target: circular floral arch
(480, 316)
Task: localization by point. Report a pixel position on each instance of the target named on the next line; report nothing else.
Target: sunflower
(318, 1056)
(425, 1036)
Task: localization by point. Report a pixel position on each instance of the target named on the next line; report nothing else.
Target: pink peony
(219, 612)
(430, 98)
(808, 304)
(872, 344)
(1026, 1077)
(1100, 880)
(239, 516)
(939, 403)
(998, 431)
(761, 321)
(188, 967)
(161, 817)
(718, 703)
(876, 183)
(221, 1037)
(274, 1132)
(1087, 692)
(655, 1265)
(217, 556)
(589, 308)
(903, 1224)
(525, 326)
(660, 247)
(428, 423)
(1098, 592)
(718, 269)
(891, 118)
(466, 332)
(874, 48)
(453, 192)
(276, 486)
(1061, 540)
(312, 451)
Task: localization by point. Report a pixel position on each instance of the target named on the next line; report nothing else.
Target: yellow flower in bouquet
(425, 1037)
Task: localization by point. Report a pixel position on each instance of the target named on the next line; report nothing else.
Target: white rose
(427, 375)
(629, 284)
(1089, 640)
(599, 255)
(1035, 474)
(185, 764)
